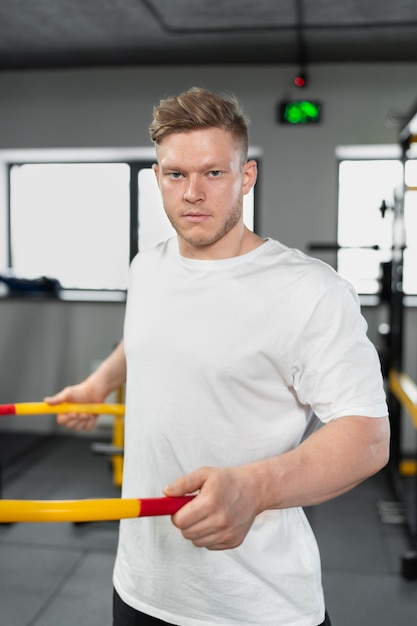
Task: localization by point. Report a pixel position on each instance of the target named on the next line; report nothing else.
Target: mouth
(196, 217)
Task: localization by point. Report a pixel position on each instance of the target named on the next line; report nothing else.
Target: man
(231, 343)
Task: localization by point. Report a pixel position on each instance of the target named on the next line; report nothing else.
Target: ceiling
(96, 33)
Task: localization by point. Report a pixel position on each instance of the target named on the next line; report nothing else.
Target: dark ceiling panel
(79, 33)
(189, 16)
(359, 13)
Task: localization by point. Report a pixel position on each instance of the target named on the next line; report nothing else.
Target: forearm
(108, 377)
(333, 460)
(111, 373)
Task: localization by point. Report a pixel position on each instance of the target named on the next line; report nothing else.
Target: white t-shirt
(226, 360)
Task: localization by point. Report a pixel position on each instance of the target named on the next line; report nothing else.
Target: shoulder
(153, 254)
(306, 272)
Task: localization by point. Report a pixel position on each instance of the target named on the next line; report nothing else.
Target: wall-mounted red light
(300, 80)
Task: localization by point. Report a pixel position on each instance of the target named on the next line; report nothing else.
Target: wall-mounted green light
(296, 112)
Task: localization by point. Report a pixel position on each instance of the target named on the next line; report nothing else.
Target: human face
(202, 181)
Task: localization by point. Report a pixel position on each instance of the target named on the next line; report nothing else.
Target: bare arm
(108, 377)
(333, 460)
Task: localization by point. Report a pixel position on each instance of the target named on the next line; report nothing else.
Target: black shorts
(124, 615)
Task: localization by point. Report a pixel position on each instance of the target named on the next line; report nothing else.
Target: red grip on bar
(162, 506)
(7, 409)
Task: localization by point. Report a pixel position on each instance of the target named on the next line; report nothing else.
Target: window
(365, 230)
(82, 222)
(70, 221)
(410, 227)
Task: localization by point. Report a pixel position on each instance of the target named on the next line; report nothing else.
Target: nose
(193, 190)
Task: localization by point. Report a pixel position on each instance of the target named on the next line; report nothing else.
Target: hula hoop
(39, 408)
(95, 510)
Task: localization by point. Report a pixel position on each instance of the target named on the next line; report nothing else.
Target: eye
(175, 175)
(215, 173)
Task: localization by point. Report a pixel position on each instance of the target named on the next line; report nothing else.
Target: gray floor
(59, 574)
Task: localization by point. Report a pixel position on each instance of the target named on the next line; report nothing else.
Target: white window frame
(135, 157)
(368, 153)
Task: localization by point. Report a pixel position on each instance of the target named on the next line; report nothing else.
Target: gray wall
(44, 346)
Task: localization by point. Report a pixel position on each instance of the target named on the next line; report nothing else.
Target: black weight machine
(401, 390)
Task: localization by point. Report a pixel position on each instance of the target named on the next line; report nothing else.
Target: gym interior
(68, 97)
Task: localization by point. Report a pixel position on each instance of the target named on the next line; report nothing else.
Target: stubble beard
(205, 239)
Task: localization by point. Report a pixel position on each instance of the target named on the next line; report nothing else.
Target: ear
(250, 173)
(155, 168)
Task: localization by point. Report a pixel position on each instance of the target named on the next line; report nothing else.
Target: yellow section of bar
(408, 467)
(405, 390)
(118, 441)
(68, 510)
(38, 408)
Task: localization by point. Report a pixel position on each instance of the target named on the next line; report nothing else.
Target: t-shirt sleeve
(338, 371)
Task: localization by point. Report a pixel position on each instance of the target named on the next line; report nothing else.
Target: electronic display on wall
(299, 112)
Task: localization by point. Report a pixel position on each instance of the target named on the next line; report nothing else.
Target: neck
(226, 248)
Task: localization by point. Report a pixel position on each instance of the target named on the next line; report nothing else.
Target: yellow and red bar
(95, 510)
(80, 510)
(117, 410)
(40, 408)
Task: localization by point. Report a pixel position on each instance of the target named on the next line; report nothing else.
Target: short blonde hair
(196, 109)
